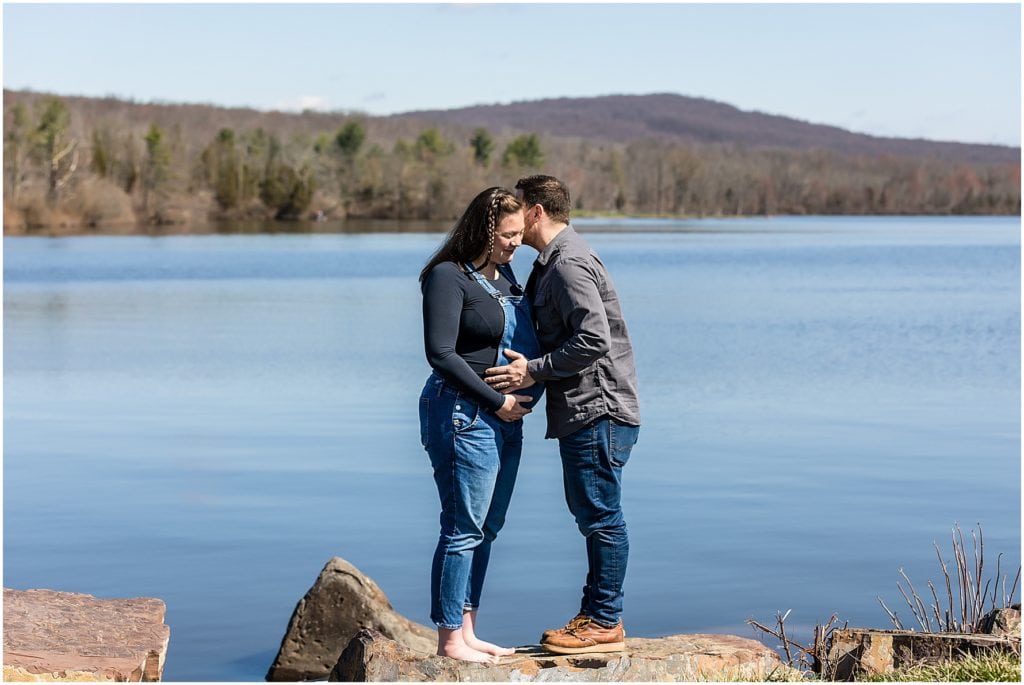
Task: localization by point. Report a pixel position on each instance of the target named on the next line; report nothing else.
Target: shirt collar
(556, 243)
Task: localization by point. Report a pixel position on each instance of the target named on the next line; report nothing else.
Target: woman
(473, 310)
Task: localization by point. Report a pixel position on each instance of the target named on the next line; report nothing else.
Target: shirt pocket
(548, 320)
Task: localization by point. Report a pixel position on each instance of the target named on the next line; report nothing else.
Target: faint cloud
(469, 8)
(464, 6)
(379, 96)
(302, 103)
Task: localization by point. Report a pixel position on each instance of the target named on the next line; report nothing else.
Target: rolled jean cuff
(447, 626)
(469, 607)
(605, 624)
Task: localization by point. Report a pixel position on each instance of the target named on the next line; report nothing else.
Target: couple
(565, 335)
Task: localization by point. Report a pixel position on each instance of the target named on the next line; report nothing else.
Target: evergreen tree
(286, 191)
(155, 170)
(54, 146)
(17, 146)
(223, 172)
(349, 139)
(483, 146)
(431, 146)
(524, 151)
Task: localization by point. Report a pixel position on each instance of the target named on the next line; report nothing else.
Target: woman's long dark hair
(473, 234)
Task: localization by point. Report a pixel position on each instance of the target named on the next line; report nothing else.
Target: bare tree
(57, 149)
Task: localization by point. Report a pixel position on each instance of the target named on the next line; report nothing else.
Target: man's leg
(592, 461)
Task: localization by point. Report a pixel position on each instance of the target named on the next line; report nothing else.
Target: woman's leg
(465, 464)
(510, 445)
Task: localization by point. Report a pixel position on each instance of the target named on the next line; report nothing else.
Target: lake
(207, 419)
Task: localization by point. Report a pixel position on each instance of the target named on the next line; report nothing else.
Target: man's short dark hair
(549, 193)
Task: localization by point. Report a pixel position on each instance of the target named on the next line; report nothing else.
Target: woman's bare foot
(488, 648)
(452, 644)
(470, 638)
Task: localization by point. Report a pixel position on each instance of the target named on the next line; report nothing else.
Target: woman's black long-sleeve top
(462, 328)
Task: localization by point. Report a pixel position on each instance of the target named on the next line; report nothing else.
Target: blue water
(208, 419)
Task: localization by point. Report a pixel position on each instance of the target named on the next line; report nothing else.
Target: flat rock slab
(371, 657)
(855, 653)
(54, 636)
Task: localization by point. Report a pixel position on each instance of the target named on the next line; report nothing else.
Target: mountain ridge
(669, 116)
(619, 118)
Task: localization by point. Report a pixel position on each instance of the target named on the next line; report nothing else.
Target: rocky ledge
(55, 636)
(371, 657)
(345, 628)
(862, 653)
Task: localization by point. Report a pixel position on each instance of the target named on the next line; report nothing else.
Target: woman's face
(507, 237)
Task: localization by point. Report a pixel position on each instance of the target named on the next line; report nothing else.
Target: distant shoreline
(81, 165)
(420, 226)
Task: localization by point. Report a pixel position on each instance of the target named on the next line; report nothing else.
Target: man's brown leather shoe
(584, 637)
(571, 624)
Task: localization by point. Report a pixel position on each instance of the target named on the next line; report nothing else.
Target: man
(592, 406)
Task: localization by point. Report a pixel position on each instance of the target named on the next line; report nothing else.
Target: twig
(778, 635)
(935, 605)
(964, 575)
(949, 585)
(1013, 588)
(917, 606)
(781, 620)
(822, 636)
(973, 589)
(999, 576)
(892, 615)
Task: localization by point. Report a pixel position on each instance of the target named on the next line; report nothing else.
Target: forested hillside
(676, 118)
(77, 161)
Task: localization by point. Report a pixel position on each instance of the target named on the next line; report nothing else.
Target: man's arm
(577, 299)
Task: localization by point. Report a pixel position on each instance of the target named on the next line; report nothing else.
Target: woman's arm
(442, 309)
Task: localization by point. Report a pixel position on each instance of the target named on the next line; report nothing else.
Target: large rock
(341, 602)
(1005, 621)
(372, 657)
(858, 652)
(54, 636)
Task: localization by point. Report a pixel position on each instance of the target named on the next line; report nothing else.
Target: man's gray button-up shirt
(587, 363)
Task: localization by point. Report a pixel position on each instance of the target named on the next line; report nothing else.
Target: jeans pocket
(424, 420)
(621, 442)
(583, 448)
(465, 415)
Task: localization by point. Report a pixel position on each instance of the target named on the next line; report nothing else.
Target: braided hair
(473, 234)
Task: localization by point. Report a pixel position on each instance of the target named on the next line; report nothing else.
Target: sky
(936, 71)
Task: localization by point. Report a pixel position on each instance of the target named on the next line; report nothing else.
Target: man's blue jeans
(592, 461)
(475, 456)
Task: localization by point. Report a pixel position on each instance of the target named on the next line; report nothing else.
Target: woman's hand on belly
(513, 409)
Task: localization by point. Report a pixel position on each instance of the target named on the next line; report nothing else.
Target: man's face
(531, 217)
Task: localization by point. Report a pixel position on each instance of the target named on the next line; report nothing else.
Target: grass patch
(780, 674)
(974, 668)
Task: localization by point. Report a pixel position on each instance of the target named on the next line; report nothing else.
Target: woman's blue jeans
(475, 456)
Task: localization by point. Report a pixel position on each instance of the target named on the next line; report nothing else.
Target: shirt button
(458, 407)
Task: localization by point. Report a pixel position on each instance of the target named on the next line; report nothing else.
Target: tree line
(66, 164)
